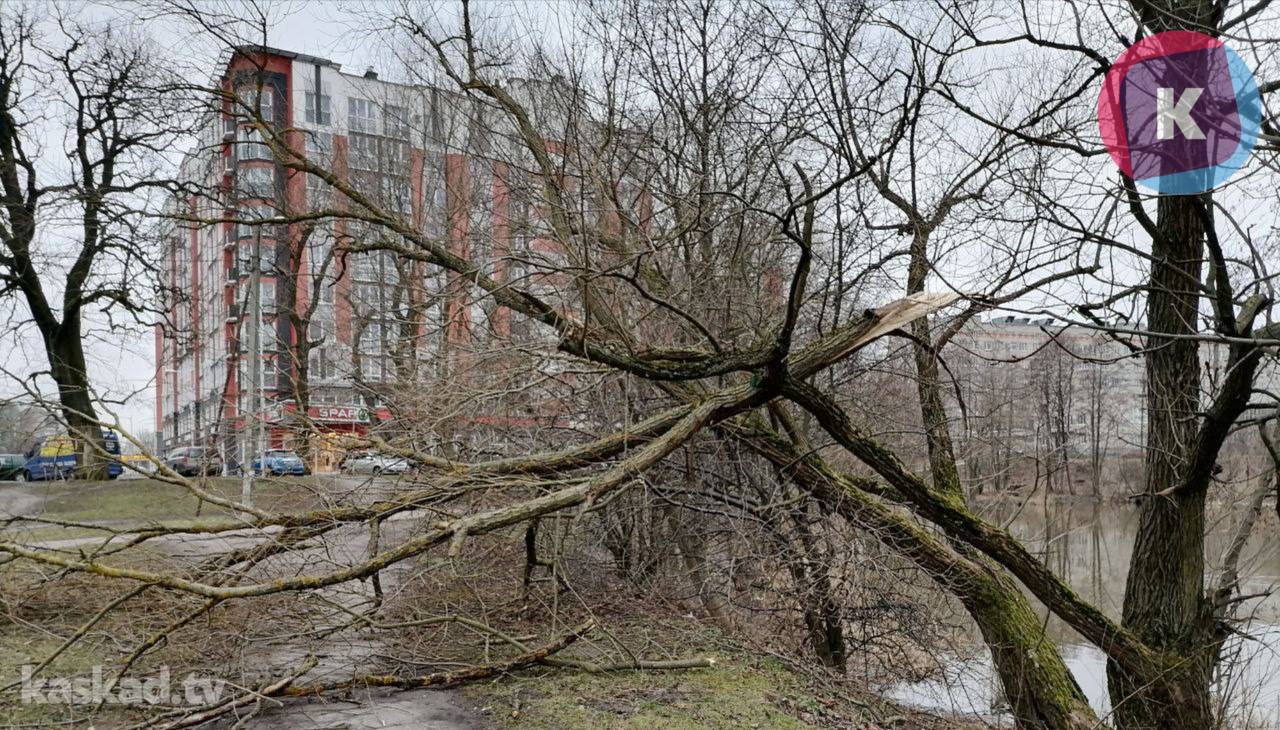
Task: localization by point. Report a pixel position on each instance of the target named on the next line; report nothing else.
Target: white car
(374, 464)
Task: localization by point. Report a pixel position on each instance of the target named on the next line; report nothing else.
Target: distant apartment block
(1034, 382)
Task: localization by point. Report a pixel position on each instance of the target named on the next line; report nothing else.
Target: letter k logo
(1179, 112)
(1169, 113)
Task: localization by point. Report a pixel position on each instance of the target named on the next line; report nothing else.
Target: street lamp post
(173, 395)
(255, 366)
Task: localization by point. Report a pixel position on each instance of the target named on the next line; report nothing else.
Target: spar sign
(338, 414)
(1179, 112)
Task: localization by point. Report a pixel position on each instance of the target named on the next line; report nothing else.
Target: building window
(251, 146)
(434, 194)
(371, 338)
(363, 152)
(319, 193)
(367, 296)
(367, 267)
(318, 115)
(320, 330)
(322, 272)
(265, 106)
(318, 364)
(269, 340)
(246, 229)
(266, 261)
(362, 115)
(256, 182)
(437, 115)
(395, 122)
(394, 193)
(318, 146)
(396, 152)
(269, 296)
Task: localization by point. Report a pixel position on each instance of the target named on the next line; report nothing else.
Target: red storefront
(333, 422)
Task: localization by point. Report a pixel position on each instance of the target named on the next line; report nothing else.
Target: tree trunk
(809, 566)
(1040, 689)
(301, 383)
(1164, 601)
(67, 368)
(710, 591)
(1042, 693)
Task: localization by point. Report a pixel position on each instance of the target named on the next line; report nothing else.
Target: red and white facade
(418, 151)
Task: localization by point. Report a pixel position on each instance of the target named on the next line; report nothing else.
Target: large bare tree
(86, 120)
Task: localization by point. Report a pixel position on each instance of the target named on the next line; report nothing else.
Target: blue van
(54, 457)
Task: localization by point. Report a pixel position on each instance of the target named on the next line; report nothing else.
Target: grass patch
(29, 648)
(735, 693)
(36, 616)
(142, 502)
(130, 499)
(745, 688)
(18, 648)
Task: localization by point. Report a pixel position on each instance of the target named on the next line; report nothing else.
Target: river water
(1088, 544)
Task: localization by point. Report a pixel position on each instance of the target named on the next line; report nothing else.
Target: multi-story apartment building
(1042, 377)
(339, 330)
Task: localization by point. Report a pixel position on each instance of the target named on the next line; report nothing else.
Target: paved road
(24, 498)
(341, 656)
(416, 710)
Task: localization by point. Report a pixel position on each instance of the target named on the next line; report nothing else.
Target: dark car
(191, 461)
(11, 466)
(280, 462)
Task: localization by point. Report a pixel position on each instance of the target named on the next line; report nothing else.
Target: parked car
(280, 462)
(191, 461)
(54, 457)
(11, 466)
(371, 463)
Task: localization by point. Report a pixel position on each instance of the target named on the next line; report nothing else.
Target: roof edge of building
(292, 55)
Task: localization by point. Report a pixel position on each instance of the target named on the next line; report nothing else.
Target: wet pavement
(365, 710)
(341, 657)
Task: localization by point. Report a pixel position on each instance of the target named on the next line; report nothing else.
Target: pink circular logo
(1179, 112)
